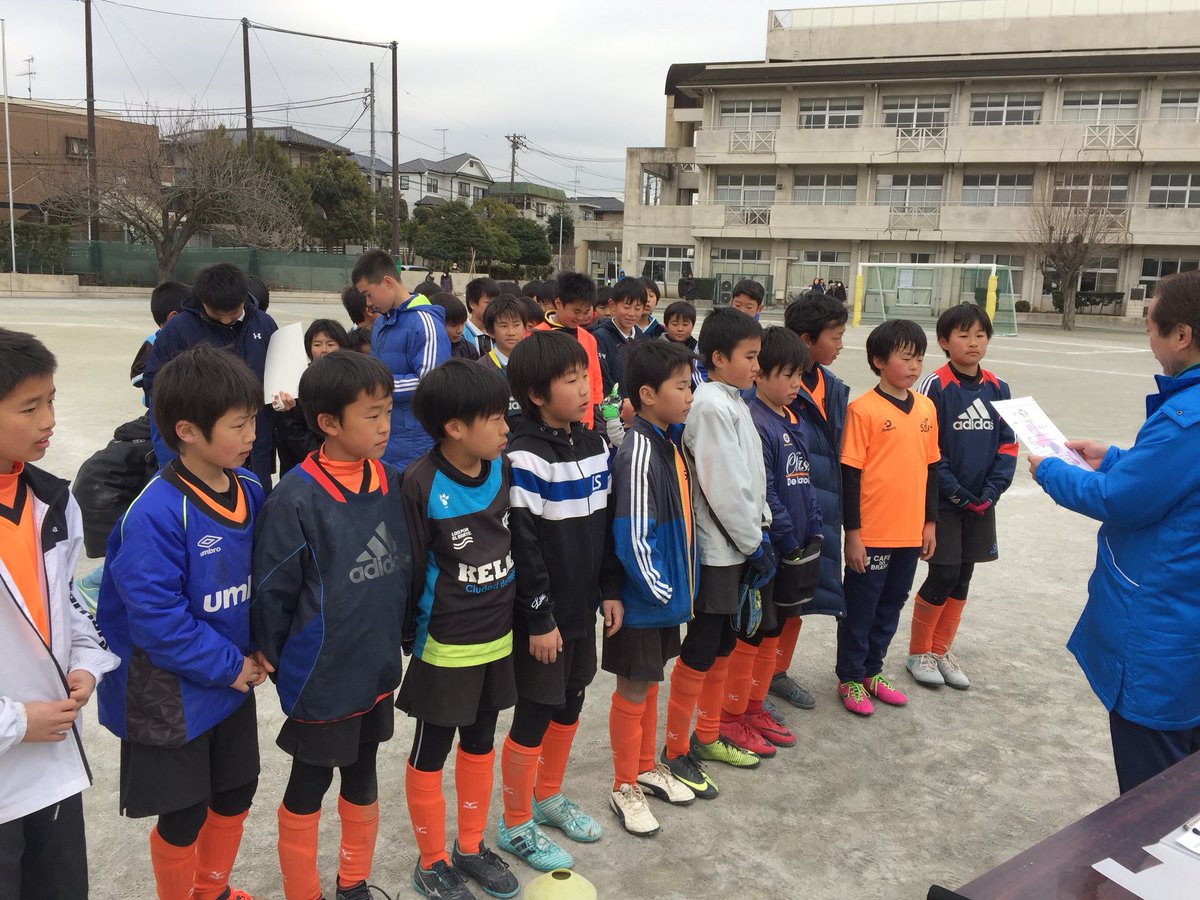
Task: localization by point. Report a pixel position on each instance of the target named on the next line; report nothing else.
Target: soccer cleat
(771, 729)
(527, 842)
(440, 882)
(924, 668)
(770, 709)
(360, 891)
(722, 750)
(952, 672)
(884, 691)
(232, 893)
(746, 738)
(855, 698)
(629, 803)
(687, 771)
(785, 686)
(487, 868)
(660, 783)
(565, 815)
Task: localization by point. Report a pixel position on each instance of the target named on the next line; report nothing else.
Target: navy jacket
(825, 460)
(795, 513)
(609, 346)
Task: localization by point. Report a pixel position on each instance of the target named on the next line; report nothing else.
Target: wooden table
(1060, 867)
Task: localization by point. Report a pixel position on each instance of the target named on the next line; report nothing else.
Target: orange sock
(646, 761)
(174, 868)
(787, 644)
(473, 778)
(924, 622)
(552, 764)
(298, 854)
(427, 810)
(360, 828)
(764, 668)
(518, 771)
(708, 707)
(738, 678)
(947, 626)
(216, 849)
(625, 735)
(686, 684)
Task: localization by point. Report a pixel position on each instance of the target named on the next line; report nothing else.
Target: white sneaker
(952, 672)
(660, 783)
(925, 669)
(629, 803)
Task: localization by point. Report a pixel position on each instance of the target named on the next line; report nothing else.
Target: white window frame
(1180, 105)
(1104, 271)
(1006, 109)
(1101, 107)
(746, 189)
(977, 278)
(666, 264)
(916, 111)
(1150, 279)
(825, 189)
(1175, 190)
(997, 188)
(831, 112)
(749, 115)
(431, 185)
(1086, 188)
(921, 189)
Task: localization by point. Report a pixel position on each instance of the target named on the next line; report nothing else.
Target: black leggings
(308, 783)
(709, 636)
(947, 581)
(431, 743)
(531, 719)
(181, 827)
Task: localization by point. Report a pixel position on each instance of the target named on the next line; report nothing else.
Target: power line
(124, 61)
(167, 12)
(217, 68)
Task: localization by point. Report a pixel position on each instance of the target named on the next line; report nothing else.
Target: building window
(1091, 189)
(464, 190)
(746, 115)
(1175, 190)
(891, 257)
(477, 194)
(734, 263)
(404, 182)
(1100, 107)
(431, 185)
(831, 112)
(832, 265)
(825, 190)
(978, 278)
(1154, 269)
(907, 189)
(746, 190)
(738, 254)
(926, 111)
(1100, 275)
(1181, 106)
(1006, 109)
(996, 189)
(666, 264)
(77, 146)
(541, 210)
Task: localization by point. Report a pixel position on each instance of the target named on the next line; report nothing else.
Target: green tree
(532, 244)
(505, 248)
(493, 209)
(272, 161)
(342, 201)
(561, 215)
(452, 232)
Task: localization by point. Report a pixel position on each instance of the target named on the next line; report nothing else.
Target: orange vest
(595, 381)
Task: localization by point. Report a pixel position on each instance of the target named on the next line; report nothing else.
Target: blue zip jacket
(795, 514)
(174, 606)
(411, 341)
(825, 463)
(1138, 637)
(650, 529)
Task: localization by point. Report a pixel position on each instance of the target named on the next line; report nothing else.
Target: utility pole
(443, 131)
(12, 216)
(93, 212)
(246, 78)
(28, 74)
(395, 155)
(374, 189)
(517, 141)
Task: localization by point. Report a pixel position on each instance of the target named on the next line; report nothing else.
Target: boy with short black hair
(890, 502)
(655, 541)
(295, 436)
(181, 700)
(410, 338)
(680, 322)
(618, 331)
(53, 654)
(456, 320)
(360, 312)
(479, 294)
(332, 572)
(747, 297)
(259, 292)
(547, 293)
(166, 300)
(456, 498)
(647, 325)
(572, 313)
(979, 458)
(566, 570)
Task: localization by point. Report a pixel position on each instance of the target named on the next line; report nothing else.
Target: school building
(923, 133)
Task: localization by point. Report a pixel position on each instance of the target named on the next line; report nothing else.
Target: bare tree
(188, 181)
(1073, 224)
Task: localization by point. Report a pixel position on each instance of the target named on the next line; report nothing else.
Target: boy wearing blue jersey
(331, 573)
(979, 457)
(456, 499)
(173, 605)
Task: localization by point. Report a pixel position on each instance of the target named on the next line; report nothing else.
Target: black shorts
(157, 780)
(963, 537)
(717, 589)
(551, 684)
(641, 654)
(444, 695)
(792, 588)
(335, 744)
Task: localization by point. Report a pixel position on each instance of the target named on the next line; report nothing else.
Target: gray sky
(580, 80)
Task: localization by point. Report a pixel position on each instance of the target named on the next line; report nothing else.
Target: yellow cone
(561, 884)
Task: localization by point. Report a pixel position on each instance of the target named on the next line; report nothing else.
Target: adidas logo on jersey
(380, 558)
(224, 599)
(974, 418)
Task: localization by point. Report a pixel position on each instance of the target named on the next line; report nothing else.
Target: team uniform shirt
(20, 548)
(497, 360)
(795, 513)
(893, 450)
(463, 575)
(609, 342)
(480, 339)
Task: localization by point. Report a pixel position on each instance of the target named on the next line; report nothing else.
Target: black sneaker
(440, 882)
(785, 686)
(360, 891)
(688, 771)
(488, 869)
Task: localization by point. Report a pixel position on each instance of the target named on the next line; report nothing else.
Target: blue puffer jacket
(824, 456)
(411, 341)
(1138, 638)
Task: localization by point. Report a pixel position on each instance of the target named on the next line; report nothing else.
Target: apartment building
(924, 133)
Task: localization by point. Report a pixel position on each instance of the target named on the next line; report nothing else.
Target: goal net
(922, 291)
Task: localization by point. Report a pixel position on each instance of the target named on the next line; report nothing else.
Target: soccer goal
(922, 291)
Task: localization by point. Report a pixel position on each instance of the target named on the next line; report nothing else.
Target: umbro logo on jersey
(380, 558)
(208, 544)
(974, 418)
(230, 596)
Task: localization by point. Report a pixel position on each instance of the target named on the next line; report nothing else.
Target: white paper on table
(1175, 878)
(286, 362)
(1036, 431)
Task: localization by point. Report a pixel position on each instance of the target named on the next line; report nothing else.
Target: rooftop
(527, 189)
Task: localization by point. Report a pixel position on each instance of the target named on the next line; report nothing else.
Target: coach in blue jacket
(1138, 638)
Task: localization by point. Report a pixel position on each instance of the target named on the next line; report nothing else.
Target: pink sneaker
(855, 699)
(775, 732)
(883, 691)
(741, 735)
